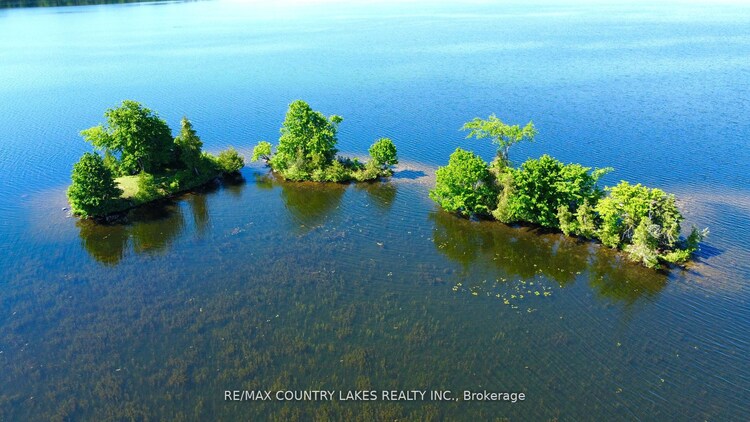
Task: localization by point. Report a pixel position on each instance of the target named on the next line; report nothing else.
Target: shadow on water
(525, 252)
(708, 250)
(409, 174)
(156, 227)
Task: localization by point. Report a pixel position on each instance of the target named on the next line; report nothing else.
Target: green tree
(465, 185)
(541, 187)
(230, 161)
(626, 205)
(501, 134)
(645, 223)
(188, 146)
(148, 190)
(138, 135)
(262, 151)
(93, 191)
(383, 153)
(308, 139)
(582, 222)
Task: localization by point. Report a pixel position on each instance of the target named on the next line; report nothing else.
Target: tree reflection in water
(152, 229)
(528, 252)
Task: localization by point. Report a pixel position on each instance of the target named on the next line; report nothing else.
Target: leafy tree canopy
(643, 222)
(307, 150)
(93, 189)
(189, 146)
(138, 135)
(628, 205)
(262, 151)
(465, 186)
(501, 134)
(541, 186)
(306, 135)
(230, 161)
(646, 224)
(383, 153)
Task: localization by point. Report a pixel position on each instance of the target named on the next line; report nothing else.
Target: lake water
(260, 284)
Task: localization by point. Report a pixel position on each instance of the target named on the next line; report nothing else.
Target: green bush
(137, 134)
(148, 190)
(541, 187)
(306, 133)
(188, 147)
(465, 186)
(307, 150)
(337, 172)
(93, 191)
(646, 224)
(643, 222)
(370, 171)
(230, 161)
(626, 205)
(262, 151)
(383, 153)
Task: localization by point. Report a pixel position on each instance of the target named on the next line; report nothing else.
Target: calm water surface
(260, 284)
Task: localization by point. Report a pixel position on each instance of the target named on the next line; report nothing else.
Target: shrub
(93, 190)
(465, 186)
(370, 171)
(383, 153)
(543, 186)
(626, 205)
(137, 134)
(262, 151)
(337, 172)
(581, 223)
(147, 188)
(188, 146)
(646, 224)
(230, 161)
(308, 133)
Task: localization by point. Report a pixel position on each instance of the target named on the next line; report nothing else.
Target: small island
(307, 151)
(137, 161)
(544, 192)
(141, 163)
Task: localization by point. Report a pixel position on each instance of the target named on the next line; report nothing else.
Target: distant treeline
(5, 4)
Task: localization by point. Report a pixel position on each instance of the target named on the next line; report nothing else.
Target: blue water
(659, 92)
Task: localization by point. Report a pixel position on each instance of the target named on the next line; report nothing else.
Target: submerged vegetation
(307, 150)
(141, 162)
(643, 222)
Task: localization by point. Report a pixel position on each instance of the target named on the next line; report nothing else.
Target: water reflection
(308, 203)
(234, 184)
(622, 281)
(156, 227)
(383, 194)
(526, 253)
(517, 252)
(152, 229)
(199, 207)
(105, 243)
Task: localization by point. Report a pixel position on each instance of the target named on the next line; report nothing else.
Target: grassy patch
(129, 186)
(166, 183)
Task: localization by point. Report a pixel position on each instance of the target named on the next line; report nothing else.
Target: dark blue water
(304, 286)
